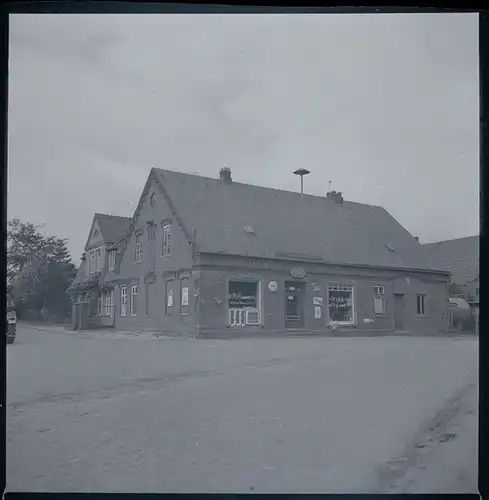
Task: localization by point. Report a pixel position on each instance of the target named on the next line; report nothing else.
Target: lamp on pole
(302, 172)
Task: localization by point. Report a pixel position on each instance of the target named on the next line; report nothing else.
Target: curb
(109, 333)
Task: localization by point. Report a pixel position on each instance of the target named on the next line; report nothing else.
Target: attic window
(152, 200)
(391, 249)
(95, 233)
(248, 229)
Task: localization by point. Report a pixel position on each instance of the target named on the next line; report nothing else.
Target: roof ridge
(452, 239)
(113, 216)
(215, 179)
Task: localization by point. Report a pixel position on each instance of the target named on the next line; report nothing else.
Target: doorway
(294, 304)
(151, 304)
(398, 311)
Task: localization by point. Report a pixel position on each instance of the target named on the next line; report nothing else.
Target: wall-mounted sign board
(297, 272)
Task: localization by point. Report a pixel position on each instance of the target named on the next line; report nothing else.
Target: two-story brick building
(214, 257)
(92, 296)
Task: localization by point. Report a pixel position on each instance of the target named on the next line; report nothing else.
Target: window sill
(164, 256)
(138, 262)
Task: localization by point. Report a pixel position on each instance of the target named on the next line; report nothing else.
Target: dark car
(11, 320)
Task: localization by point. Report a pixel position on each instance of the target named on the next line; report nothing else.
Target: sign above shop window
(272, 286)
(297, 272)
(317, 301)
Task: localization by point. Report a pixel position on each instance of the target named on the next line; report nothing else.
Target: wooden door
(294, 305)
(399, 311)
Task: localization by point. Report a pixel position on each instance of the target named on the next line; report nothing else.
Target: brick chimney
(335, 196)
(225, 175)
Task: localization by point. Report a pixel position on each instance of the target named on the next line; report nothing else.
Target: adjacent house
(215, 257)
(92, 296)
(461, 258)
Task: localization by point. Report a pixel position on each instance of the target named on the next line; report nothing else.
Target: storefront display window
(341, 303)
(243, 303)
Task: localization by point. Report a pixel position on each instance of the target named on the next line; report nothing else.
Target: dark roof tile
(288, 222)
(459, 256)
(113, 227)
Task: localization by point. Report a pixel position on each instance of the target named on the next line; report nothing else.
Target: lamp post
(302, 172)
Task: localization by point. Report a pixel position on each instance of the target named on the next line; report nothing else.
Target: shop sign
(317, 301)
(317, 312)
(272, 286)
(297, 272)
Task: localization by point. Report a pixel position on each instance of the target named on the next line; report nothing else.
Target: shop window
(244, 303)
(341, 303)
(379, 300)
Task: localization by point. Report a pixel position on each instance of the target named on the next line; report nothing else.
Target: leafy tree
(39, 269)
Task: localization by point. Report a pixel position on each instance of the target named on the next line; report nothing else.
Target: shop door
(294, 305)
(398, 311)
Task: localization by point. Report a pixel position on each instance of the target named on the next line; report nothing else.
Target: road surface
(312, 415)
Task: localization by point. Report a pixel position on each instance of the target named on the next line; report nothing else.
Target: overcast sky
(386, 107)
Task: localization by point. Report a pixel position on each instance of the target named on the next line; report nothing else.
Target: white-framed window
(420, 305)
(184, 304)
(92, 261)
(123, 300)
(244, 303)
(166, 241)
(107, 301)
(379, 300)
(137, 249)
(341, 303)
(134, 299)
(98, 254)
(170, 296)
(112, 260)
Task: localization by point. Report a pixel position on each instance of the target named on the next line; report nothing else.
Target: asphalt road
(330, 415)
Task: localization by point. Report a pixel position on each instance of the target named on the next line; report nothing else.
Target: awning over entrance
(457, 303)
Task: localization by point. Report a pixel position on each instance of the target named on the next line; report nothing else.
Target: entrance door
(398, 311)
(151, 306)
(294, 304)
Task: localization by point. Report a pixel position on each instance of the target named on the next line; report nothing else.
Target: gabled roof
(112, 227)
(459, 256)
(243, 219)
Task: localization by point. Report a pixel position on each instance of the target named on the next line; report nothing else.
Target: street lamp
(302, 172)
